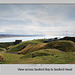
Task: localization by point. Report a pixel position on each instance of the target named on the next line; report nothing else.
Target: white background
(37, 1)
(12, 69)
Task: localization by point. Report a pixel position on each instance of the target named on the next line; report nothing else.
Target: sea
(12, 39)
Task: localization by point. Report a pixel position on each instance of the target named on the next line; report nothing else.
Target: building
(17, 42)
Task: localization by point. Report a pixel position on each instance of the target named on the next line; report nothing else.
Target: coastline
(15, 36)
(25, 38)
(3, 37)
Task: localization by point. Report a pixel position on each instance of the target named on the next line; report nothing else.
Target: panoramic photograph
(37, 33)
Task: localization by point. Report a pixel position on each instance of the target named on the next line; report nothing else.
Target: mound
(31, 48)
(34, 45)
(66, 46)
(22, 45)
(43, 52)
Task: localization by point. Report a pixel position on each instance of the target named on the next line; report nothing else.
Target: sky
(38, 19)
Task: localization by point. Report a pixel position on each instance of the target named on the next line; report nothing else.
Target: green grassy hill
(22, 45)
(31, 48)
(37, 52)
(42, 52)
(34, 45)
(63, 45)
(66, 46)
(45, 56)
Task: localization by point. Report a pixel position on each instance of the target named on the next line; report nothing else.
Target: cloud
(37, 19)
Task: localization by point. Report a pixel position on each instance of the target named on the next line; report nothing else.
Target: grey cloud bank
(46, 19)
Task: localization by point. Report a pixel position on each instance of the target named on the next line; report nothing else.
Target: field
(37, 52)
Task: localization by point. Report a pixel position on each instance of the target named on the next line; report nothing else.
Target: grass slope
(37, 52)
(31, 48)
(46, 56)
(11, 58)
(66, 46)
(4, 45)
(63, 45)
(21, 45)
(42, 52)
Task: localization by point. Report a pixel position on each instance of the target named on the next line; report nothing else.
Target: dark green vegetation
(37, 52)
(63, 45)
(5, 45)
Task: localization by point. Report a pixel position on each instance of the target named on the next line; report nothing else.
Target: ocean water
(12, 39)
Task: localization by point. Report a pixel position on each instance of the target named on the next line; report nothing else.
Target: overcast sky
(33, 19)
